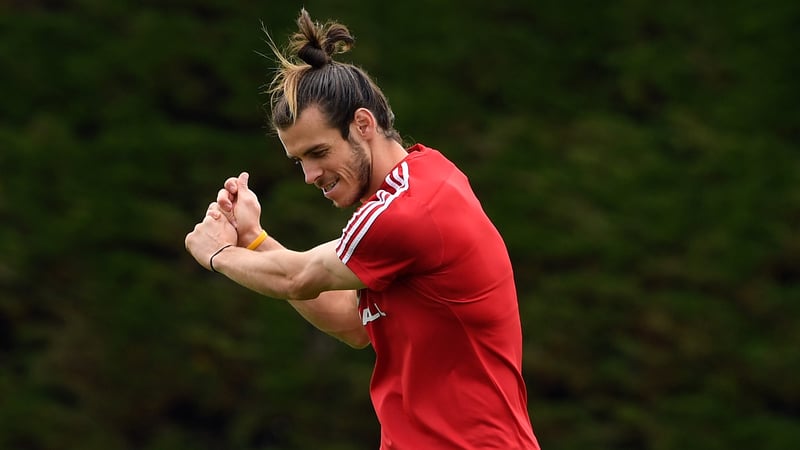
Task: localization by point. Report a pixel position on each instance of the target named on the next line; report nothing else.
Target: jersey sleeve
(385, 241)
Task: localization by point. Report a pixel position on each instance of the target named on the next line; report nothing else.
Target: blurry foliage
(640, 160)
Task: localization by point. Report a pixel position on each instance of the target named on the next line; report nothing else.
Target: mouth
(329, 187)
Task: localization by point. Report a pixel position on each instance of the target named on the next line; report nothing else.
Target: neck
(386, 154)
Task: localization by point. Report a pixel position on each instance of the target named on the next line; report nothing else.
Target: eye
(318, 154)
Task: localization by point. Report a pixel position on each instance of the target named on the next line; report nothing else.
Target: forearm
(273, 270)
(273, 273)
(335, 313)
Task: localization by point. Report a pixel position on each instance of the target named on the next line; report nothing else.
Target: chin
(341, 205)
(345, 203)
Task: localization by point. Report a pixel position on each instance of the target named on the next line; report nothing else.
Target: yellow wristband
(254, 245)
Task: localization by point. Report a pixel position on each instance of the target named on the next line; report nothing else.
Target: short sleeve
(384, 242)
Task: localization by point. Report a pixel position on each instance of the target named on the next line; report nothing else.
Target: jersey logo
(368, 316)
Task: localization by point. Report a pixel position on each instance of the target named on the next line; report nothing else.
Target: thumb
(244, 177)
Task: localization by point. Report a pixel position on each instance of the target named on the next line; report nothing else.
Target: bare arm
(316, 283)
(287, 274)
(333, 312)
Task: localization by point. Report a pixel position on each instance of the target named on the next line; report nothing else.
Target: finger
(212, 216)
(244, 178)
(213, 207)
(232, 185)
(224, 200)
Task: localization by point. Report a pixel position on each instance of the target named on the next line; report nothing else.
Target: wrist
(248, 236)
(211, 259)
(258, 240)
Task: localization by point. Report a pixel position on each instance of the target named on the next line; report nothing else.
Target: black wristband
(211, 260)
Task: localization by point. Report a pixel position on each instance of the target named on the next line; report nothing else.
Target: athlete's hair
(308, 76)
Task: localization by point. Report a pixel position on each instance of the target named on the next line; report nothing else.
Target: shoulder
(398, 216)
(422, 159)
(389, 213)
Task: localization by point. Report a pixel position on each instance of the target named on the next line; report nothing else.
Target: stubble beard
(361, 165)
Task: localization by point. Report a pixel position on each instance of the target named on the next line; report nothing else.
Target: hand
(210, 235)
(241, 207)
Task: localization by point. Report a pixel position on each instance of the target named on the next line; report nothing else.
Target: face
(339, 167)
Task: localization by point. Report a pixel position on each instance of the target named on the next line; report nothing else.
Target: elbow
(300, 294)
(357, 339)
(305, 283)
(298, 288)
(358, 344)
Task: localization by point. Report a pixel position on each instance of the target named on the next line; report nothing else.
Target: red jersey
(441, 311)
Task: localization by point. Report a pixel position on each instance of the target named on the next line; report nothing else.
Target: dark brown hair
(308, 75)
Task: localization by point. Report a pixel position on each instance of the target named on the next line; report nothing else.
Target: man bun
(315, 44)
(308, 75)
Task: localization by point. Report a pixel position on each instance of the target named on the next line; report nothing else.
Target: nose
(311, 172)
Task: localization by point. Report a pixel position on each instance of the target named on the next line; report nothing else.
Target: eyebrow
(311, 149)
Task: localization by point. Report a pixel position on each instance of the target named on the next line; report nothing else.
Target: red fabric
(441, 311)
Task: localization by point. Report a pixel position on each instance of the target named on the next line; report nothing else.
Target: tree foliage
(640, 160)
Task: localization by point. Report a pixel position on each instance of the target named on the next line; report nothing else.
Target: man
(419, 272)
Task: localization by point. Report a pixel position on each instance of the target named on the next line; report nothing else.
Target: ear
(364, 123)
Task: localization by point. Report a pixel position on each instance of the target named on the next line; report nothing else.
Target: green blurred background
(640, 159)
